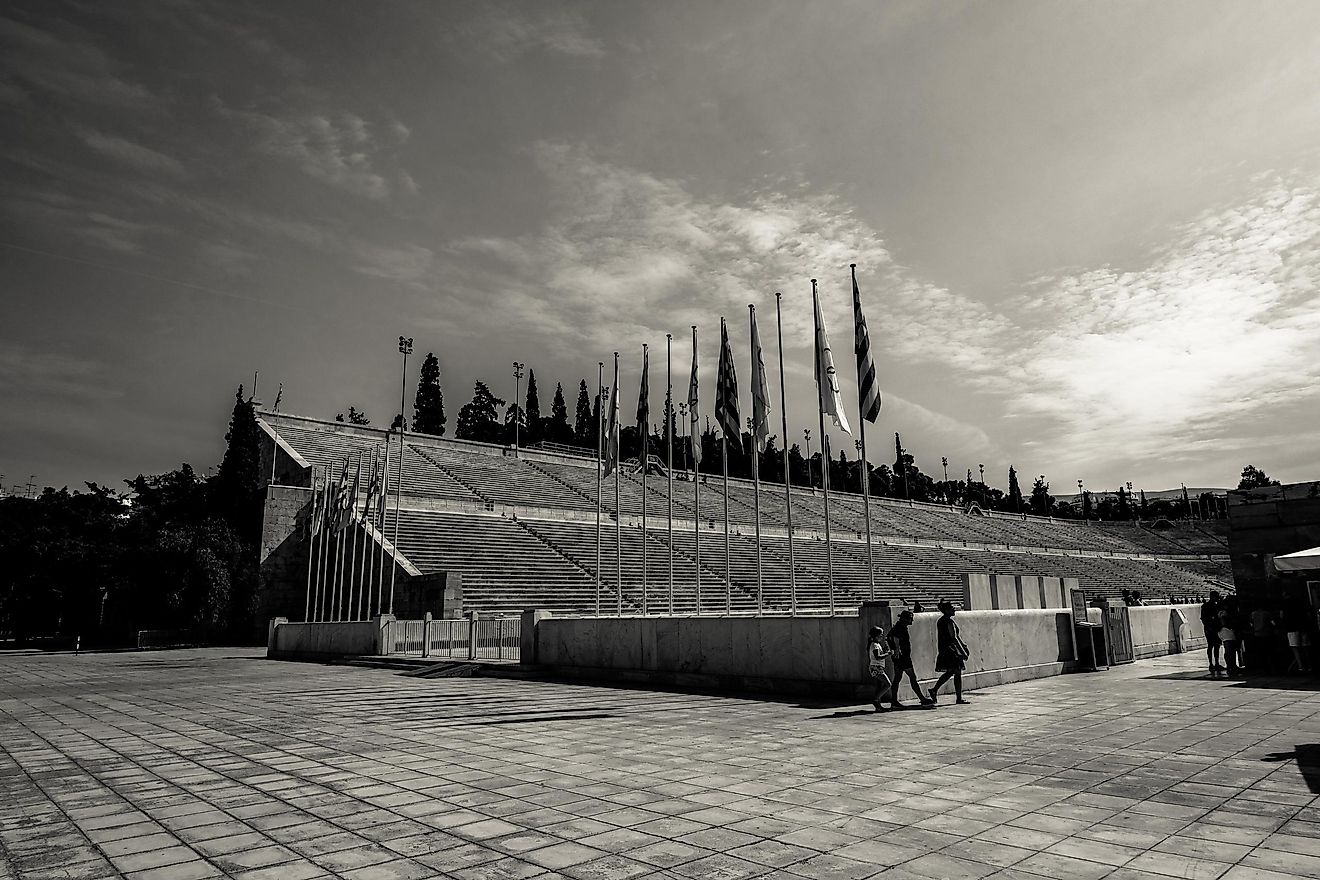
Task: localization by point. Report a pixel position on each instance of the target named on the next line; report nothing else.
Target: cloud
(229, 257)
(408, 264)
(33, 374)
(341, 149)
(1219, 327)
(130, 153)
(69, 66)
(508, 31)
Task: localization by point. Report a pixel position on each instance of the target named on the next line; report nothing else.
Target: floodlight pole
(517, 407)
(405, 349)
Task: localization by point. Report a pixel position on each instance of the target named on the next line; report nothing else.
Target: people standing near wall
(900, 641)
(1260, 646)
(951, 653)
(1297, 623)
(877, 652)
(1210, 622)
(1230, 632)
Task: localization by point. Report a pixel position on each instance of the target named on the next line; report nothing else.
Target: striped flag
(316, 519)
(868, 390)
(692, 403)
(612, 425)
(827, 377)
(760, 391)
(373, 487)
(726, 390)
(340, 502)
(644, 406)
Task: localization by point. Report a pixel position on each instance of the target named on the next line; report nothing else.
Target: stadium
(492, 529)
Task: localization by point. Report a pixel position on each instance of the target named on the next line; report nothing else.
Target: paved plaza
(210, 763)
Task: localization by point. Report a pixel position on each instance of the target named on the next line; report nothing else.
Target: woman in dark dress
(952, 653)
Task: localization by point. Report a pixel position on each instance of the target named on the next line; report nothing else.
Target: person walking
(900, 641)
(951, 653)
(877, 652)
(1210, 622)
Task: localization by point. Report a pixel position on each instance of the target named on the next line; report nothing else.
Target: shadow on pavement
(1271, 682)
(1308, 762)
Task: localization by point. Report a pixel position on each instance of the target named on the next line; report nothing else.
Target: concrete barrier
(1159, 629)
(315, 640)
(794, 654)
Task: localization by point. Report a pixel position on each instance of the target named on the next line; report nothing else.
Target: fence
(491, 638)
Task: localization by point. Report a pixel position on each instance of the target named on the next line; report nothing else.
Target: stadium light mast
(405, 349)
(517, 407)
(981, 468)
(806, 433)
(944, 490)
(1081, 499)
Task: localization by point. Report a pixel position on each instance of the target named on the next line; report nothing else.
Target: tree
(1086, 505)
(532, 411)
(514, 415)
(429, 403)
(557, 429)
(236, 488)
(1042, 502)
(584, 423)
(355, 417)
(1014, 491)
(478, 419)
(1124, 504)
(1254, 478)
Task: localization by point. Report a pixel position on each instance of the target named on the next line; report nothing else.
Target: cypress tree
(532, 411)
(236, 487)
(558, 429)
(584, 424)
(429, 403)
(1014, 490)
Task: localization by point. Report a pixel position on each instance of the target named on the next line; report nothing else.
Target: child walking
(877, 652)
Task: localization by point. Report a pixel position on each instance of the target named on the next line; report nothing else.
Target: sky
(1087, 235)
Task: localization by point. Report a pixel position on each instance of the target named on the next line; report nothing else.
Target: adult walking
(901, 642)
(952, 653)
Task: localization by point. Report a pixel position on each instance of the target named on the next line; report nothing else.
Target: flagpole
(788, 493)
(866, 468)
(350, 593)
(618, 514)
(756, 455)
(696, 475)
(600, 433)
(323, 562)
(311, 548)
(362, 569)
(825, 452)
(644, 409)
(669, 460)
(380, 518)
(728, 587)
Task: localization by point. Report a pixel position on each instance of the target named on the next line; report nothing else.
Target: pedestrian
(1260, 648)
(1210, 622)
(951, 653)
(1230, 628)
(877, 652)
(900, 642)
(1297, 623)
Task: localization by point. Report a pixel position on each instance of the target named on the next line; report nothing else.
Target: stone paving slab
(219, 763)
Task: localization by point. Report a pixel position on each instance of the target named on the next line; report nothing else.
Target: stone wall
(282, 559)
(1158, 630)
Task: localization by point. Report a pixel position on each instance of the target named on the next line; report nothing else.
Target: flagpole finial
(852, 266)
(669, 336)
(778, 294)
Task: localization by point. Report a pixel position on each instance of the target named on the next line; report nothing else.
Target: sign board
(1078, 598)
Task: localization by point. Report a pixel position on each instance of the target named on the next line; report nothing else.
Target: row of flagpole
(346, 554)
(830, 403)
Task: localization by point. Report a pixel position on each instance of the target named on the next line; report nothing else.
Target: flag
(827, 378)
(373, 488)
(692, 403)
(315, 520)
(868, 391)
(760, 391)
(349, 510)
(726, 390)
(338, 495)
(644, 406)
(612, 425)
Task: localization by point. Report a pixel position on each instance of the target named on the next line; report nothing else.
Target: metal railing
(489, 638)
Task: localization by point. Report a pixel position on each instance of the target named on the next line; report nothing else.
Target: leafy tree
(797, 466)
(1042, 502)
(597, 425)
(514, 415)
(478, 419)
(355, 417)
(1087, 507)
(900, 465)
(1014, 490)
(429, 402)
(1253, 478)
(1124, 510)
(584, 422)
(557, 429)
(532, 411)
(1145, 508)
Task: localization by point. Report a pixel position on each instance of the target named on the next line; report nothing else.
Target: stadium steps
(422, 451)
(590, 499)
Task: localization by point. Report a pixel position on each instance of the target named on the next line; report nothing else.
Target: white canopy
(1302, 560)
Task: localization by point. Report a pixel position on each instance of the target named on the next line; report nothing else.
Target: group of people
(1273, 637)
(896, 645)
